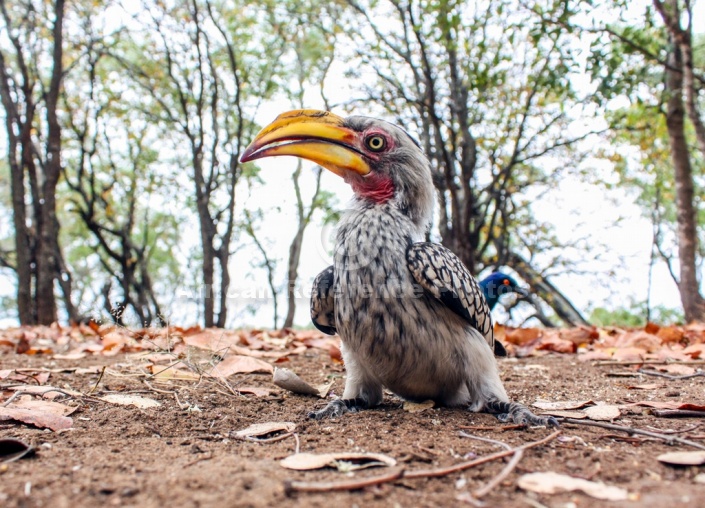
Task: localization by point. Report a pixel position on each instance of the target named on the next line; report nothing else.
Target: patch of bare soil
(184, 452)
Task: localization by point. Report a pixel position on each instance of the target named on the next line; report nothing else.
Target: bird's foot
(519, 414)
(338, 408)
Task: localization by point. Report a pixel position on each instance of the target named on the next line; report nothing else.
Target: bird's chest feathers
(370, 260)
(375, 188)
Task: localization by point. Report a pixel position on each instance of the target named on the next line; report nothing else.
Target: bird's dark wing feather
(323, 302)
(443, 275)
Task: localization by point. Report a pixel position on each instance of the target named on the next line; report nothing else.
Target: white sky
(574, 208)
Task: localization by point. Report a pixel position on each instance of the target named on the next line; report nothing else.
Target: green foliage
(635, 315)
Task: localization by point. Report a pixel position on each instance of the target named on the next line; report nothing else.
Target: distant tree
(112, 172)
(652, 63)
(310, 38)
(489, 88)
(31, 75)
(203, 68)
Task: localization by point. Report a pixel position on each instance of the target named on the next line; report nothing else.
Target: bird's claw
(522, 416)
(334, 409)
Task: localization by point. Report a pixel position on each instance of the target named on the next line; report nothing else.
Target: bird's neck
(375, 188)
(489, 290)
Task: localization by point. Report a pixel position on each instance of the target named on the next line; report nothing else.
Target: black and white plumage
(410, 316)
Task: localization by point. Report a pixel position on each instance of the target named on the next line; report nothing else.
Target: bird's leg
(517, 413)
(339, 407)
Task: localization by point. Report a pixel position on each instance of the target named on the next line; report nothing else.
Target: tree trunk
(47, 262)
(293, 275)
(563, 308)
(693, 303)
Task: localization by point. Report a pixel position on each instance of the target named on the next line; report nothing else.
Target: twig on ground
(155, 389)
(506, 471)
(602, 363)
(49, 390)
(628, 439)
(486, 440)
(670, 439)
(427, 450)
(208, 456)
(500, 428)
(434, 473)
(678, 413)
(297, 486)
(683, 431)
(181, 405)
(669, 376)
(102, 373)
(274, 439)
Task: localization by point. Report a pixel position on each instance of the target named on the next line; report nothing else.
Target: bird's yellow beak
(318, 136)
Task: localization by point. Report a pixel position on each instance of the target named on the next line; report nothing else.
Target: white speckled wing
(441, 273)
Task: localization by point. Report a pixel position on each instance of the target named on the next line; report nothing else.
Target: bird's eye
(376, 143)
(505, 282)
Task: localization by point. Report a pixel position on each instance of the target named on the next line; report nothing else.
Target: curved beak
(521, 291)
(318, 136)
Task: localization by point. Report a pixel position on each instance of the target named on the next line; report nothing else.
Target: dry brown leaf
(126, 399)
(521, 336)
(556, 344)
(580, 335)
(162, 373)
(289, 380)
(602, 413)
(417, 407)
(44, 405)
(640, 340)
(308, 461)
(628, 354)
(263, 429)
(695, 351)
(47, 392)
(75, 355)
(14, 449)
(553, 483)
(40, 419)
(238, 364)
(579, 415)
(95, 369)
(594, 356)
(647, 386)
(676, 370)
(255, 390)
(683, 458)
(666, 405)
(670, 334)
(324, 389)
(212, 339)
(566, 404)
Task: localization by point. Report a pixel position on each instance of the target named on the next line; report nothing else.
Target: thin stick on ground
(506, 471)
(669, 376)
(603, 363)
(499, 478)
(293, 486)
(100, 378)
(678, 413)
(297, 486)
(682, 431)
(669, 438)
(500, 428)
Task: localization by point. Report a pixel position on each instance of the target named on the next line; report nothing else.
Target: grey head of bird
(383, 164)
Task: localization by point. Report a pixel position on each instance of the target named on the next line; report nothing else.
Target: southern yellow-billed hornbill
(410, 316)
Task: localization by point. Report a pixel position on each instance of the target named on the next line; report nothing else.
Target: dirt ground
(169, 456)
